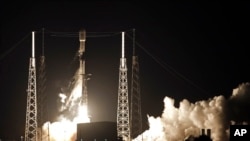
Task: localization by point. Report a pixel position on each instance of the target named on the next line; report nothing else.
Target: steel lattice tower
(135, 108)
(41, 97)
(123, 125)
(31, 111)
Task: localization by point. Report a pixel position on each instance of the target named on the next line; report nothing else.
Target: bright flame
(82, 115)
(63, 130)
(73, 112)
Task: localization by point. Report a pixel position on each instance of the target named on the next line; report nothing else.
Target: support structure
(135, 103)
(31, 111)
(123, 125)
(42, 114)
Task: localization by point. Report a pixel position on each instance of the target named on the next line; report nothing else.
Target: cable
(168, 68)
(89, 35)
(13, 47)
(43, 41)
(165, 66)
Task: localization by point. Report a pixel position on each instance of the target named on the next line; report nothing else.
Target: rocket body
(82, 39)
(82, 75)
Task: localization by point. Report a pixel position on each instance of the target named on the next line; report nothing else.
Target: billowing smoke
(72, 112)
(238, 103)
(217, 113)
(175, 123)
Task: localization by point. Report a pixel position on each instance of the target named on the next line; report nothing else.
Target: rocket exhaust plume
(73, 108)
(72, 113)
(188, 119)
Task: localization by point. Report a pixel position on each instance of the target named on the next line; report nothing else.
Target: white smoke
(177, 123)
(238, 103)
(72, 113)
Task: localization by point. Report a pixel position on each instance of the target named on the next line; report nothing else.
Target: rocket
(82, 39)
(82, 75)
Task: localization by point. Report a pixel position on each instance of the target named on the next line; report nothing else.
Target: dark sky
(196, 51)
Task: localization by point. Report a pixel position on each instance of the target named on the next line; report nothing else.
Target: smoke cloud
(217, 113)
(175, 123)
(72, 112)
(238, 103)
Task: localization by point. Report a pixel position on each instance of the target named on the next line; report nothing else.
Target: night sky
(186, 50)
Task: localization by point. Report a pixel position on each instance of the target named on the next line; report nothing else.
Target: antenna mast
(31, 111)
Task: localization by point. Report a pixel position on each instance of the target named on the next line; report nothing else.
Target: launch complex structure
(129, 124)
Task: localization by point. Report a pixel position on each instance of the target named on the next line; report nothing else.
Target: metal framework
(123, 125)
(31, 111)
(42, 115)
(135, 108)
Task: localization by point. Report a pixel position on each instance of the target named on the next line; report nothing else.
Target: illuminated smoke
(72, 113)
(188, 119)
(238, 103)
(175, 123)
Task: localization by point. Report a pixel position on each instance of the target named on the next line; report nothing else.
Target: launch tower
(31, 111)
(123, 126)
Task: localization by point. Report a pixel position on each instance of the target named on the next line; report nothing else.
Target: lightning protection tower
(31, 111)
(135, 103)
(42, 113)
(123, 126)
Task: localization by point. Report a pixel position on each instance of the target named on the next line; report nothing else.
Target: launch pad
(75, 101)
(97, 131)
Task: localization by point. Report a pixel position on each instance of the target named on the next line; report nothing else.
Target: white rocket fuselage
(82, 39)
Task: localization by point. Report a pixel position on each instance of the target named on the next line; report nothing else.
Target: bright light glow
(81, 117)
(64, 129)
(63, 97)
